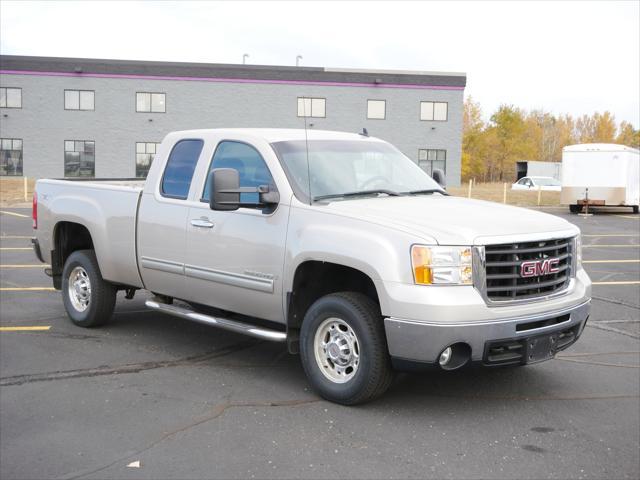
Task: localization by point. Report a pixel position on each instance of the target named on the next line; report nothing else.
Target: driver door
(235, 258)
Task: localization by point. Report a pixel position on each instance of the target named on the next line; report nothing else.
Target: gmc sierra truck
(335, 243)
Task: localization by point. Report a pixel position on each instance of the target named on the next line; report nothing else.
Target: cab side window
(180, 167)
(247, 161)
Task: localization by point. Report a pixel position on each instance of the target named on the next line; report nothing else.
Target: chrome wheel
(79, 289)
(336, 350)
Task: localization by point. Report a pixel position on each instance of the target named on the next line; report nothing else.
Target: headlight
(442, 265)
(577, 245)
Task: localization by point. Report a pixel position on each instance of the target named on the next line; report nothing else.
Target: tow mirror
(439, 177)
(225, 190)
(224, 186)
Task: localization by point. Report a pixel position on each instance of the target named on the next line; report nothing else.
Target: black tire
(636, 208)
(102, 295)
(373, 374)
(575, 208)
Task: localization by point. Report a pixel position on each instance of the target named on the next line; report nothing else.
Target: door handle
(202, 223)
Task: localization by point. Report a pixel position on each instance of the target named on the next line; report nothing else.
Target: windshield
(546, 181)
(339, 167)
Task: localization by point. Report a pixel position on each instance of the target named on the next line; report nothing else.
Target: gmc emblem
(536, 268)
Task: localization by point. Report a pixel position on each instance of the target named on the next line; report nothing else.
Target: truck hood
(454, 220)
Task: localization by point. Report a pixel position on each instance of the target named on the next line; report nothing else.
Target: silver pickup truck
(335, 243)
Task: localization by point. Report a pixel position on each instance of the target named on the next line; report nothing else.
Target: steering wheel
(378, 178)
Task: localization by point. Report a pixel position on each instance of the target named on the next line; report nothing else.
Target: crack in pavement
(600, 364)
(606, 328)
(616, 302)
(593, 354)
(123, 369)
(216, 412)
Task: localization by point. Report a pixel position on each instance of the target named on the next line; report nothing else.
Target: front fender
(383, 254)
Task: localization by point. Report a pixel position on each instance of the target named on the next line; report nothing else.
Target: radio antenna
(306, 142)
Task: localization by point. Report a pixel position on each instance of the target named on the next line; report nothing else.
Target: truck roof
(272, 135)
(598, 147)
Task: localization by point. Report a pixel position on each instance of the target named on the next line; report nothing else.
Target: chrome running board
(226, 323)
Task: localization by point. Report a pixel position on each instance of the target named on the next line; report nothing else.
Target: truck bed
(107, 208)
(133, 183)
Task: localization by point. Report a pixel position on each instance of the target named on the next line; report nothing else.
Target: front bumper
(423, 341)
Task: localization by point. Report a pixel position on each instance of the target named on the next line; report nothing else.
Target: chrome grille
(503, 279)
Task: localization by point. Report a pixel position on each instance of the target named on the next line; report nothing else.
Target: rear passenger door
(235, 258)
(162, 221)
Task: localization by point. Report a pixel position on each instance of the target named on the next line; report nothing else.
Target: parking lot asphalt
(190, 401)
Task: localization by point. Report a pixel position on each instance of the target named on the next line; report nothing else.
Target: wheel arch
(68, 237)
(314, 279)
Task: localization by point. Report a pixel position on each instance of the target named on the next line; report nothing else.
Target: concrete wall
(115, 126)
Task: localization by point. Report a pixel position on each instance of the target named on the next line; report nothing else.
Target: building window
(376, 109)
(178, 172)
(10, 156)
(10, 97)
(434, 111)
(430, 159)
(145, 152)
(79, 100)
(79, 158)
(151, 102)
(311, 107)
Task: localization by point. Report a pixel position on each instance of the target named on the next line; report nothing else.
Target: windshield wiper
(428, 191)
(391, 193)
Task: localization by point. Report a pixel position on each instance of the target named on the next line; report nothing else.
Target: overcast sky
(574, 57)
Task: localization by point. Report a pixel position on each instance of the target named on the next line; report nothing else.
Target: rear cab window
(178, 172)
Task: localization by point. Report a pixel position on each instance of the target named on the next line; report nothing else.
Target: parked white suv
(549, 184)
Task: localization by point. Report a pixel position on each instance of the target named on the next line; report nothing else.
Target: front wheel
(344, 350)
(87, 297)
(575, 208)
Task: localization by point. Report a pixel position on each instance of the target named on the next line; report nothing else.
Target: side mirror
(439, 177)
(224, 186)
(225, 190)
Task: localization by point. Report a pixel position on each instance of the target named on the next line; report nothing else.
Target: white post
(504, 193)
(469, 191)
(26, 198)
(539, 194)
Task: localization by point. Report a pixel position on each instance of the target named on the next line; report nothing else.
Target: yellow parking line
(25, 329)
(40, 265)
(635, 282)
(627, 216)
(10, 237)
(611, 261)
(27, 289)
(16, 248)
(636, 245)
(14, 214)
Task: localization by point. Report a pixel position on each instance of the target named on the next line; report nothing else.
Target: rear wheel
(635, 208)
(87, 297)
(344, 350)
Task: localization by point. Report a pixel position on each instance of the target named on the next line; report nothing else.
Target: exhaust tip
(454, 356)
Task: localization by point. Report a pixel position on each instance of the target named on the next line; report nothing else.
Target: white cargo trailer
(600, 175)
